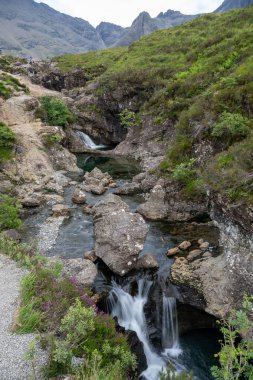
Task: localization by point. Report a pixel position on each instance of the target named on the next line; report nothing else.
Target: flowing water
(131, 308)
(88, 142)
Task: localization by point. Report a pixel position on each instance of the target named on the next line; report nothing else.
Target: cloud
(123, 12)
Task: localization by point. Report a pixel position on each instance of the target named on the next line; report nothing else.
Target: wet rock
(204, 246)
(173, 251)
(194, 254)
(137, 348)
(61, 210)
(146, 262)
(119, 234)
(83, 270)
(78, 197)
(185, 245)
(90, 255)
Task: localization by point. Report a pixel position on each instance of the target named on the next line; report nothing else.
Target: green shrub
(7, 140)
(185, 171)
(52, 139)
(5, 92)
(231, 127)
(127, 118)
(9, 212)
(53, 111)
(236, 355)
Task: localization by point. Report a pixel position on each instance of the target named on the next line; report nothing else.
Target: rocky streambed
(100, 238)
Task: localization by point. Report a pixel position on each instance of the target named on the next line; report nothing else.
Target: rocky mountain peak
(232, 4)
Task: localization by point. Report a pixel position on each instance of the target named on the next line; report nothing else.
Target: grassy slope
(191, 74)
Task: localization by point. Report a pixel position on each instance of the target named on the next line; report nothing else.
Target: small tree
(236, 353)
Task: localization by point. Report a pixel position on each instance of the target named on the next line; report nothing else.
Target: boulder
(147, 262)
(119, 234)
(156, 207)
(96, 181)
(78, 196)
(83, 270)
(61, 210)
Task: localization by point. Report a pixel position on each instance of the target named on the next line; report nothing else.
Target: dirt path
(13, 347)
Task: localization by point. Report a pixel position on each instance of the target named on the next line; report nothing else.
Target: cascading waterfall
(130, 313)
(88, 141)
(170, 336)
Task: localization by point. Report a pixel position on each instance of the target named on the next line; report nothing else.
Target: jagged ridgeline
(195, 82)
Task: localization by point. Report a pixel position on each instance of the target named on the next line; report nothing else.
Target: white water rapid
(170, 336)
(88, 141)
(130, 313)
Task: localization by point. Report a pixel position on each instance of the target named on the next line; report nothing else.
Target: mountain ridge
(40, 31)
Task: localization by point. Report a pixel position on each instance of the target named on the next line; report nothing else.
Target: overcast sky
(123, 12)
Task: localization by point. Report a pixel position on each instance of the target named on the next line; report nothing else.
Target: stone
(173, 251)
(87, 209)
(13, 235)
(194, 254)
(155, 208)
(61, 210)
(185, 245)
(30, 202)
(113, 185)
(119, 234)
(204, 246)
(78, 196)
(90, 255)
(84, 271)
(131, 188)
(146, 262)
(207, 254)
(200, 241)
(97, 190)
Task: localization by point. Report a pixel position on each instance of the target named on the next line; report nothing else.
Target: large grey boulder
(96, 181)
(119, 234)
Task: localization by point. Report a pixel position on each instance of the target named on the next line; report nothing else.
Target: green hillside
(199, 78)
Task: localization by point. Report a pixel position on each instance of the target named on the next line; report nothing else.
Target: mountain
(40, 31)
(144, 25)
(231, 4)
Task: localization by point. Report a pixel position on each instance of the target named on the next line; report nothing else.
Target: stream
(129, 299)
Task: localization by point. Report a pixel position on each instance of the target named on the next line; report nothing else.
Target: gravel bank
(13, 347)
